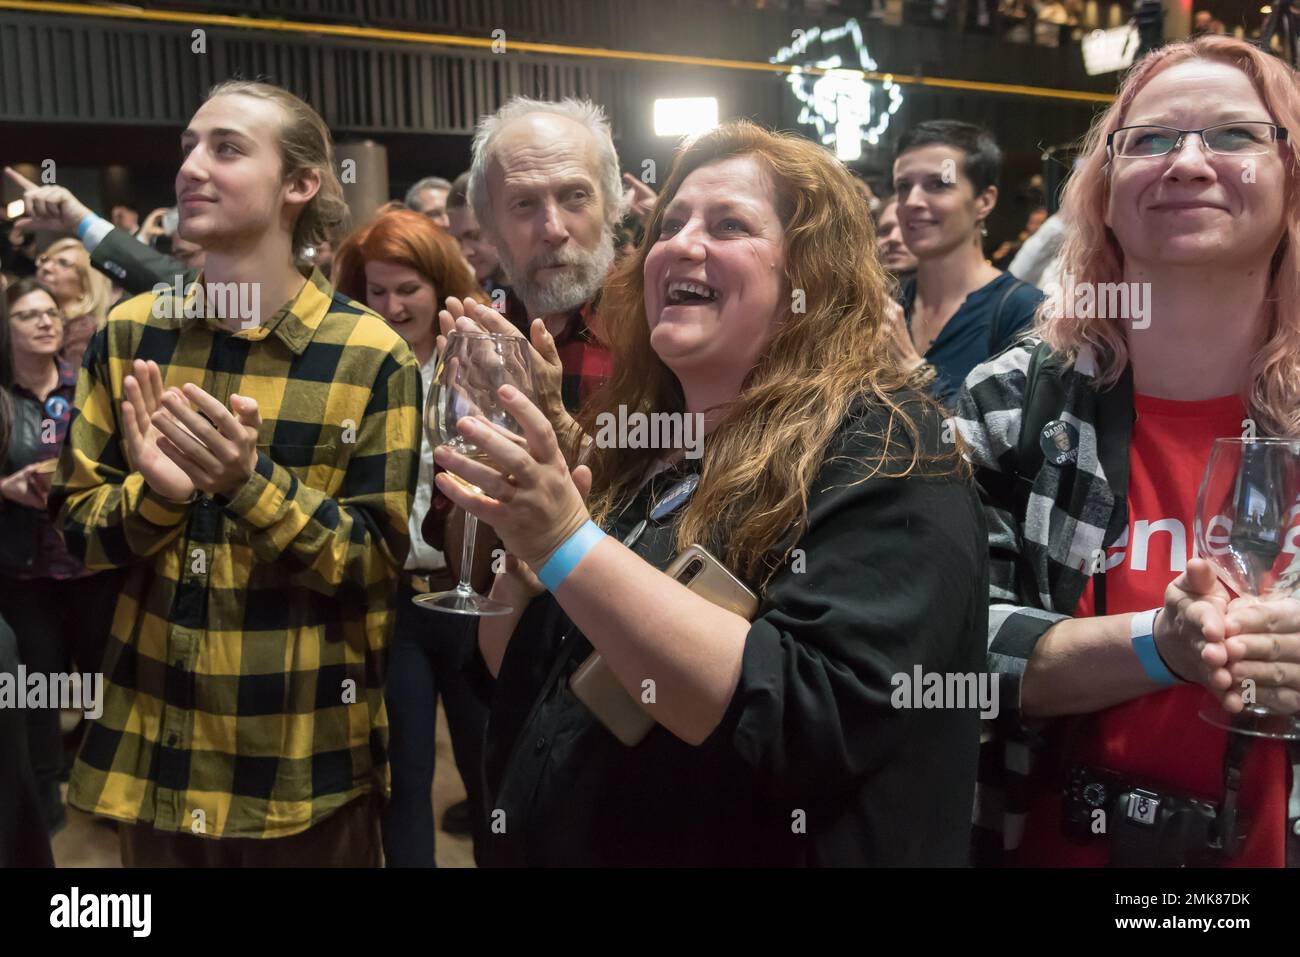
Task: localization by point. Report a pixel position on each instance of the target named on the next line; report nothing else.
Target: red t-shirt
(1159, 738)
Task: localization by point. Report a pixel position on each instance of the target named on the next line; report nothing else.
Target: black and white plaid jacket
(1044, 530)
(1045, 533)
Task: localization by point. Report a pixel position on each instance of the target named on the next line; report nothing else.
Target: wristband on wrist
(1142, 632)
(91, 231)
(566, 558)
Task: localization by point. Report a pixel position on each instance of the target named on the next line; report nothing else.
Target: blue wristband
(85, 224)
(565, 558)
(1144, 644)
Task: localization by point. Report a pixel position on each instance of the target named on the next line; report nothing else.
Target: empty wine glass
(472, 367)
(1248, 528)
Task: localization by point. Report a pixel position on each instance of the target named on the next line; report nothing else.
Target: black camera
(1088, 790)
(1145, 827)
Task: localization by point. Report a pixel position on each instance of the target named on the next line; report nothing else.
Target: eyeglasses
(1228, 139)
(31, 315)
(42, 259)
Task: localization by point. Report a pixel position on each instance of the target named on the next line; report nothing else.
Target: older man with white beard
(547, 192)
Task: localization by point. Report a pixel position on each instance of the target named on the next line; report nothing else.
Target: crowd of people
(228, 512)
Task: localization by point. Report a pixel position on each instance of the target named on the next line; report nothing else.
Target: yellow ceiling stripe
(451, 40)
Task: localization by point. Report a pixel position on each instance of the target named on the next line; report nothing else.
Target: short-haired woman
(959, 309)
(24, 838)
(58, 610)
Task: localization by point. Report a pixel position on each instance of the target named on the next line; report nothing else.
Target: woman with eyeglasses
(54, 606)
(1177, 322)
(83, 295)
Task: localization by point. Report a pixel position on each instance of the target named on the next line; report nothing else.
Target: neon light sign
(839, 102)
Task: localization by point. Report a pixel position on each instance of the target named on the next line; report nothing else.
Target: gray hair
(585, 112)
(429, 182)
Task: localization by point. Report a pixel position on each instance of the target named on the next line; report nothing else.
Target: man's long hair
(304, 144)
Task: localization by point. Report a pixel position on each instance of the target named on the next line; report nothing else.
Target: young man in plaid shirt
(254, 468)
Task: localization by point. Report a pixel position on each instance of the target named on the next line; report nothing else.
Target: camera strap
(1228, 837)
(1233, 758)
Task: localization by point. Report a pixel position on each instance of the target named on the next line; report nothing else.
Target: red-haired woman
(1090, 447)
(404, 267)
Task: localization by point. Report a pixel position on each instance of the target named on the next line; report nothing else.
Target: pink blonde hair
(1092, 253)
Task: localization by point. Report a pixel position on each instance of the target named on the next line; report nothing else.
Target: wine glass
(472, 367)
(1248, 528)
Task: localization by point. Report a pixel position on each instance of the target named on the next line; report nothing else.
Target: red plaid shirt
(586, 363)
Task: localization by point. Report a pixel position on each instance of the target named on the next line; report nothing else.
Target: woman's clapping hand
(530, 497)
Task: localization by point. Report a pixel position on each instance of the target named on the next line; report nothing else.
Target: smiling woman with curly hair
(756, 304)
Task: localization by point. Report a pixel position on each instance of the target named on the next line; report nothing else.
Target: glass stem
(467, 553)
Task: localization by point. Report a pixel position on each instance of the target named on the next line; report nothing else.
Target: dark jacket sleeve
(134, 266)
(891, 573)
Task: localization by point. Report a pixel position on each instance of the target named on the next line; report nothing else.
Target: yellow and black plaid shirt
(244, 675)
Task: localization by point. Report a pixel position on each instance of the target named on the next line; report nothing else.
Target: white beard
(564, 292)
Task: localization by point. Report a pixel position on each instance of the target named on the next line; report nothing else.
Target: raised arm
(114, 252)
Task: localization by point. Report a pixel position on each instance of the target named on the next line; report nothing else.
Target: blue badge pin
(56, 406)
(678, 494)
(1059, 441)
